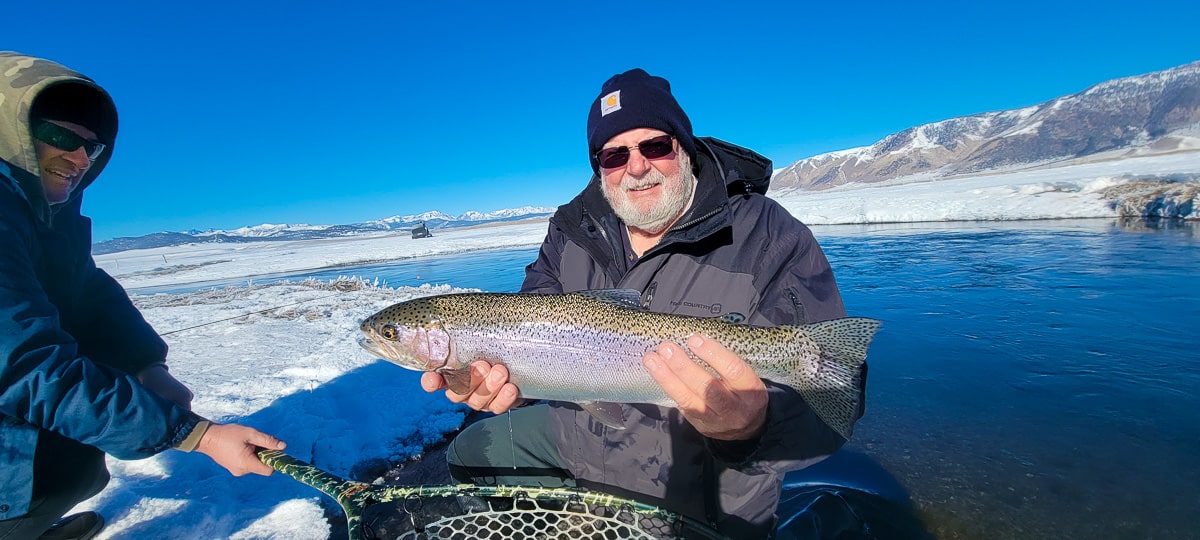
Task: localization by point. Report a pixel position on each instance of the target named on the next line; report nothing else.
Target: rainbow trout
(587, 348)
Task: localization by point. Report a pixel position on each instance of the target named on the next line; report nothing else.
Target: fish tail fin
(833, 384)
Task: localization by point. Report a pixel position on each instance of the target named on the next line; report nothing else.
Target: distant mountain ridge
(434, 220)
(1147, 114)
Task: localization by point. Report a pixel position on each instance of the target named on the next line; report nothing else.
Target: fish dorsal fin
(609, 414)
(457, 380)
(626, 298)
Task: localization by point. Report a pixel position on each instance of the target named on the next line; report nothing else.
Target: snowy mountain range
(268, 232)
(1148, 114)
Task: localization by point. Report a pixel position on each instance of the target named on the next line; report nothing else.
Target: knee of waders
(466, 449)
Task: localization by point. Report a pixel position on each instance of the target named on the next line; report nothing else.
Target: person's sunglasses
(65, 139)
(618, 156)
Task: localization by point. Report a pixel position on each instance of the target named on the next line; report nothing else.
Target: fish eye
(388, 332)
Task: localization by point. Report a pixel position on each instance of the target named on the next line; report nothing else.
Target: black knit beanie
(78, 103)
(636, 99)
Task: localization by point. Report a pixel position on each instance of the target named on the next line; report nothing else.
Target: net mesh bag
(521, 515)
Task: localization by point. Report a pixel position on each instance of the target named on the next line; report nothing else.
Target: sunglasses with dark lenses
(65, 139)
(618, 156)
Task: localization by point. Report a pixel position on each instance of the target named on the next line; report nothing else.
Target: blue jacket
(734, 251)
(71, 342)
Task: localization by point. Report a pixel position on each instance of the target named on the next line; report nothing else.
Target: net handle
(353, 497)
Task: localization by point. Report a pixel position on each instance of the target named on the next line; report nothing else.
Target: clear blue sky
(250, 112)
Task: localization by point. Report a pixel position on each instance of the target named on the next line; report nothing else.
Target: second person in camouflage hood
(81, 372)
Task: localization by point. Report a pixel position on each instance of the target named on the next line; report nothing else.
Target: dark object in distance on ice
(420, 230)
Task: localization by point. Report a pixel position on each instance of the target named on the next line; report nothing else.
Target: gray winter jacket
(735, 251)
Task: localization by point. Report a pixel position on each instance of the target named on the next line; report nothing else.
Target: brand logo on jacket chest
(715, 309)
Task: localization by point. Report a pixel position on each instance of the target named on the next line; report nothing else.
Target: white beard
(676, 197)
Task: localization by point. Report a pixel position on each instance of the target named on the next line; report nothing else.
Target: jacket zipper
(682, 226)
(801, 316)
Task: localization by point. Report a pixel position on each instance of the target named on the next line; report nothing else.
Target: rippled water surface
(1031, 380)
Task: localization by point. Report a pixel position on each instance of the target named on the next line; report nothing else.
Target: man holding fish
(683, 221)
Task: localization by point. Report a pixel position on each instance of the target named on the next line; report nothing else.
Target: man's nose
(638, 164)
(79, 158)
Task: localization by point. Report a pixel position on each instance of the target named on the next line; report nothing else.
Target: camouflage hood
(22, 80)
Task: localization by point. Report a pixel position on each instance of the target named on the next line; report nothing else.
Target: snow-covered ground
(192, 263)
(1061, 192)
(1049, 193)
(284, 358)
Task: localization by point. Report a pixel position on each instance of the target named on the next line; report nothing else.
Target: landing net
(468, 512)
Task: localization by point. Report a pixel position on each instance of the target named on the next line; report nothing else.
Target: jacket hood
(22, 80)
(743, 170)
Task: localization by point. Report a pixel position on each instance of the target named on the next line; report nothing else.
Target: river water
(1031, 379)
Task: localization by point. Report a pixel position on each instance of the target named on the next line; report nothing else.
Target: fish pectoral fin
(609, 414)
(457, 380)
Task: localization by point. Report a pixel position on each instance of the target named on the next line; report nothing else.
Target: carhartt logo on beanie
(636, 99)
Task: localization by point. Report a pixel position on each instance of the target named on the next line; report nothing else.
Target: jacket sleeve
(114, 331)
(542, 275)
(102, 319)
(798, 288)
(46, 382)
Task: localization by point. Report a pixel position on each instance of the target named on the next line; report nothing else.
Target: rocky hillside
(1154, 113)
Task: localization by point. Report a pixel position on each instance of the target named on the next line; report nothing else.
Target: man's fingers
(506, 397)
(665, 366)
(489, 391)
(262, 440)
(254, 465)
(483, 395)
(735, 373)
(432, 382)
(479, 372)
(739, 400)
(728, 402)
(702, 382)
(486, 382)
(234, 447)
(252, 439)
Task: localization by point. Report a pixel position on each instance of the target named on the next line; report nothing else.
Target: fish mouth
(389, 351)
(383, 348)
(375, 343)
(372, 346)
